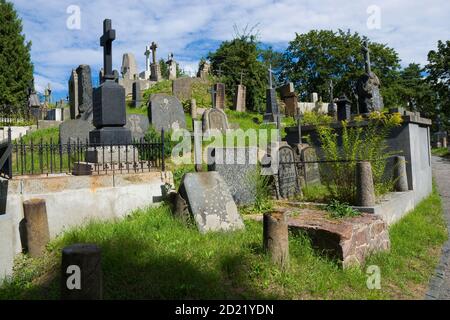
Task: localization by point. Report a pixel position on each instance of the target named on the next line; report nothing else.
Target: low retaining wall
(74, 200)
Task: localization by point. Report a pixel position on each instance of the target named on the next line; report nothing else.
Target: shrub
(339, 210)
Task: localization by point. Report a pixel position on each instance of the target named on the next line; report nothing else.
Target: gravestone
(75, 130)
(368, 86)
(73, 94)
(137, 94)
(272, 111)
(109, 115)
(219, 96)
(311, 172)
(154, 67)
(166, 112)
(290, 99)
(146, 74)
(138, 125)
(239, 98)
(129, 66)
(287, 177)
(343, 109)
(210, 202)
(203, 70)
(238, 167)
(85, 92)
(172, 65)
(182, 87)
(214, 119)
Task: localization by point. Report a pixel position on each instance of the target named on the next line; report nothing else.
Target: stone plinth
(114, 155)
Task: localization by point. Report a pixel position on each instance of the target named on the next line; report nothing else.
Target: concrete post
(36, 223)
(276, 238)
(81, 272)
(400, 177)
(193, 109)
(365, 191)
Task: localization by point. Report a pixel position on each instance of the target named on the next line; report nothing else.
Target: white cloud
(412, 28)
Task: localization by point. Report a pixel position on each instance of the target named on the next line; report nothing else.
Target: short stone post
(276, 237)
(81, 272)
(193, 109)
(36, 225)
(400, 177)
(365, 191)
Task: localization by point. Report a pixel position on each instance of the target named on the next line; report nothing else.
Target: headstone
(172, 65)
(147, 73)
(287, 176)
(272, 111)
(85, 102)
(311, 173)
(214, 119)
(137, 94)
(73, 95)
(210, 202)
(129, 66)
(290, 99)
(75, 130)
(182, 87)
(238, 167)
(343, 109)
(166, 112)
(368, 86)
(138, 125)
(203, 70)
(219, 96)
(314, 97)
(155, 68)
(109, 115)
(239, 98)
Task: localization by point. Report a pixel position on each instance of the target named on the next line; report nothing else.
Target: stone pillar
(73, 95)
(193, 109)
(365, 191)
(276, 237)
(239, 98)
(219, 96)
(343, 109)
(36, 222)
(400, 177)
(81, 272)
(444, 142)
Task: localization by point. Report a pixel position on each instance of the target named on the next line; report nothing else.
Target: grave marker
(166, 112)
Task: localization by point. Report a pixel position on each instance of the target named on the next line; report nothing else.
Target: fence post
(10, 172)
(365, 192)
(163, 164)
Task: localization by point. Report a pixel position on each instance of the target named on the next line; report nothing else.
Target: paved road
(440, 282)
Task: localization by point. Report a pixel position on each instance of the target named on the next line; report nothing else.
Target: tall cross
(366, 52)
(242, 75)
(270, 76)
(147, 58)
(213, 96)
(109, 35)
(154, 46)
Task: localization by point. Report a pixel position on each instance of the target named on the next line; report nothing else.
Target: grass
(440, 152)
(149, 255)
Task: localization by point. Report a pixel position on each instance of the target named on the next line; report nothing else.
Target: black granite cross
(213, 96)
(109, 35)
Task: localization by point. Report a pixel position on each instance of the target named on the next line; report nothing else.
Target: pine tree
(16, 69)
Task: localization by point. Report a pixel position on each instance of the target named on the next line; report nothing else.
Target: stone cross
(153, 47)
(147, 58)
(242, 75)
(270, 76)
(366, 52)
(109, 35)
(219, 72)
(298, 116)
(213, 95)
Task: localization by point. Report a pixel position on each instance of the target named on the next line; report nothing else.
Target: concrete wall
(74, 200)
(16, 132)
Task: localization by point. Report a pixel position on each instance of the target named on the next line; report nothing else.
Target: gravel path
(440, 282)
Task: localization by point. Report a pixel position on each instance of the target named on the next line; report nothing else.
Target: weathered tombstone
(138, 125)
(368, 86)
(214, 119)
(288, 185)
(155, 68)
(38, 234)
(81, 272)
(203, 70)
(289, 98)
(272, 111)
(85, 101)
(74, 130)
(73, 94)
(239, 98)
(219, 96)
(109, 100)
(172, 65)
(276, 237)
(210, 202)
(343, 109)
(129, 66)
(137, 94)
(166, 112)
(311, 171)
(238, 167)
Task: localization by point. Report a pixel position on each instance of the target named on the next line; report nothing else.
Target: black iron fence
(31, 157)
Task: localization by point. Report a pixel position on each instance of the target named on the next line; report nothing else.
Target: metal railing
(15, 116)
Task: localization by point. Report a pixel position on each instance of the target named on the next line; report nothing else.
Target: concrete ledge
(6, 246)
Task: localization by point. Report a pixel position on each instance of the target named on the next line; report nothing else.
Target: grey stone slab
(75, 129)
(219, 96)
(288, 185)
(210, 202)
(214, 119)
(85, 90)
(238, 167)
(138, 124)
(166, 112)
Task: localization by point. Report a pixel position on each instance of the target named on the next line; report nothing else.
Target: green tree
(16, 69)
(439, 79)
(242, 54)
(313, 59)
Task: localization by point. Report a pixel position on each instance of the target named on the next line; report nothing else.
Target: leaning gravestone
(85, 90)
(214, 119)
(287, 173)
(210, 202)
(238, 167)
(138, 124)
(166, 112)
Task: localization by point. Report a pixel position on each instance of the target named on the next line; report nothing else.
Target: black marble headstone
(272, 111)
(343, 109)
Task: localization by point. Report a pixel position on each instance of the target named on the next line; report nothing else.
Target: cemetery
(219, 185)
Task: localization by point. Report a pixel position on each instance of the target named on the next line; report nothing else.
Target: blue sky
(190, 29)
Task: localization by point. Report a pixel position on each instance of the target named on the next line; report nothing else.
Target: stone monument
(85, 102)
(332, 108)
(171, 63)
(155, 68)
(166, 112)
(146, 74)
(368, 86)
(109, 100)
(73, 95)
(272, 111)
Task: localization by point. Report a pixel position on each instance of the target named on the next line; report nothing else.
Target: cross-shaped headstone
(270, 76)
(366, 52)
(213, 96)
(147, 57)
(154, 46)
(109, 35)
